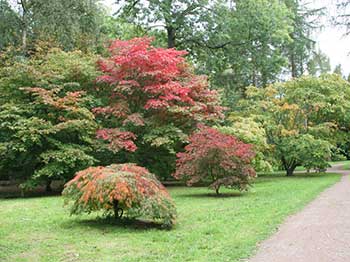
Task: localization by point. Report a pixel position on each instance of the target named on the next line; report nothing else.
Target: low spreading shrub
(120, 188)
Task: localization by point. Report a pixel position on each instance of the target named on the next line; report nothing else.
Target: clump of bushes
(120, 188)
(216, 157)
(47, 131)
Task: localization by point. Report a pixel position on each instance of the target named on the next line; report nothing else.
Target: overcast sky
(330, 39)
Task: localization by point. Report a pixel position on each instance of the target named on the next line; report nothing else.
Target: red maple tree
(217, 157)
(151, 86)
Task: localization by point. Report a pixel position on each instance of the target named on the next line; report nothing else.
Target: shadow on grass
(213, 195)
(296, 175)
(106, 224)
(268, 178)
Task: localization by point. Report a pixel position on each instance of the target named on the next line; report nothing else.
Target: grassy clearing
(345, 163)
(346, 166)
(339, 162)
(209, 228)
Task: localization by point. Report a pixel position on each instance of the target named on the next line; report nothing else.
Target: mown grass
(339, 162)
(345, 163)
(209, 228)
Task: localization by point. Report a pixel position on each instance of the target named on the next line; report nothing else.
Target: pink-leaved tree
(216, 157)
(154, 100)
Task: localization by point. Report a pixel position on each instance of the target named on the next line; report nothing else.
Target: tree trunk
(292, 58)
(290, 171)
(48, 187)
(24, 24)
(217, 190)
(293, 65)
(115, 208)
(118, 212)
(289, 167)
(255, 79)
(24, 38)
(171, 36)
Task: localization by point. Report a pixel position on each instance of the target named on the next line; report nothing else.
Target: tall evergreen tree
(305, 21)
(318, 64)
(338, 70)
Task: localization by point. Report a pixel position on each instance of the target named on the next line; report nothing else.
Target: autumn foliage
(151, 87)
(47, 130)
(132, 188)
(216, 157)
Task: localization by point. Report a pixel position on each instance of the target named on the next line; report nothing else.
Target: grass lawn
(209, 228)
(346, 166)
(339, 162)
(345, 163)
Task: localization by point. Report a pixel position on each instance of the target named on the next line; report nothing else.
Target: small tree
(216, 157)
(251, 132)
(118, 188)
(304, 150)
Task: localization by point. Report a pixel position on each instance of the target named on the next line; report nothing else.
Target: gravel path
(319, 233)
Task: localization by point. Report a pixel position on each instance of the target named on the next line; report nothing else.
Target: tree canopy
(303, 118)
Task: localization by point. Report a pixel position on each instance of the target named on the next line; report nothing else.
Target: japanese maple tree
(305, 119)
(154, 98)
(216, 157)
(47, 129)
(66, 136)
(118, 189)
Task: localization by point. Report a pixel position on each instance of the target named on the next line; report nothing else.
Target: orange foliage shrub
(120, 186)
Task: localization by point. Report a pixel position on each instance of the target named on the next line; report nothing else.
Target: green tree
(338, 70)
(47, 130)
(305, 20)
(179, 18)
(51, 140)
(245, 45)
(9, 25)
(305, 150)
(302, 116)
(72, 24)
(117, 28)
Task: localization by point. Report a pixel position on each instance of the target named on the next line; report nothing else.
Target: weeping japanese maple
(216, 157)
(154, 99)
(118, 189)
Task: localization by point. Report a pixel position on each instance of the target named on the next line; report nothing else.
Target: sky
(330, 40)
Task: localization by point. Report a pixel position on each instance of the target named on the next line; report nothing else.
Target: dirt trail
(318, 233)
